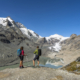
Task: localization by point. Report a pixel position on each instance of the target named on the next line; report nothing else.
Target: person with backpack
(20, 53)
(37, 53)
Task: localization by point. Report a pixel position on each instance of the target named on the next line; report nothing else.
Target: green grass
(72, 66)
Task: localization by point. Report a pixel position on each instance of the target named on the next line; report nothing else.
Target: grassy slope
(72, 67)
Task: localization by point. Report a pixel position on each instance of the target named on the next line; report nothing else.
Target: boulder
(78, 59)
(73, 36)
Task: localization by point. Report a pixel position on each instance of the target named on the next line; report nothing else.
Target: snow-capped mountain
(56, 36)
(5, 21)
(27, 32)
(52, 41)
(55, 40)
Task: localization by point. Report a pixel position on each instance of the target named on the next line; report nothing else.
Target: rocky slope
(37, 74)
(73, 43)
(70, 50)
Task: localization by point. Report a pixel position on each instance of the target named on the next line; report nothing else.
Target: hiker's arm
(35, 52)
(25, 54)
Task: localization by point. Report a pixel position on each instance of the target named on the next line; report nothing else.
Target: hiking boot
(22, 66)
(33, 66)
(38, 66)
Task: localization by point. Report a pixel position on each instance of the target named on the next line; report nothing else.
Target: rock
(41, 40)
(78, 59)
(41, 73)
(78, 65)
(4, 75)
(57, 78)
(73, 36)
(5, 41)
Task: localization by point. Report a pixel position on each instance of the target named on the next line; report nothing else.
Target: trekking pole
(26, 58)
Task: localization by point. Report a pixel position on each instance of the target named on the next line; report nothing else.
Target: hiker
(37, 53)
(21, 56)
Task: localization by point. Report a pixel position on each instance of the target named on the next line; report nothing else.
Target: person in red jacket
(22, 57)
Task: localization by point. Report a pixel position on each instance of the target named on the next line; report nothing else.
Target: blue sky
(45, 17)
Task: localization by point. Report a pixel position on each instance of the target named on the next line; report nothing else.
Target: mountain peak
(9, 18)
(4, 21)
(73, 35)
(56, 36)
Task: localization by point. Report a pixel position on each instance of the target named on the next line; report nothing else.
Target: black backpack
(39, 52)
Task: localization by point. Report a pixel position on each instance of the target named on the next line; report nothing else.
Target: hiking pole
(26, 58)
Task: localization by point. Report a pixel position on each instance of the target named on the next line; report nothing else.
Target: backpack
(39, 52)
(18, 52)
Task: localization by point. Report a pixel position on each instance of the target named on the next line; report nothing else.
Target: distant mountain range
(53, 41)
(29, 33)
(13, 35)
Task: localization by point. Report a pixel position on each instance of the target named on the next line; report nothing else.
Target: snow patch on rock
(3, 21)
(57, 46)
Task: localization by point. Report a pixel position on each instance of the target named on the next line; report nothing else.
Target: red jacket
(22, 52)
